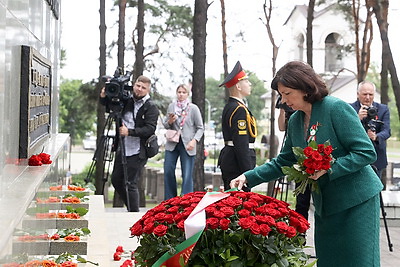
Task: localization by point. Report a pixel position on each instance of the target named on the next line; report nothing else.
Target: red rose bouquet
(242, 229)
(313, 158)
(39, 159)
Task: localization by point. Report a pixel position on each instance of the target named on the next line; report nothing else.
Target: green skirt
(349, 238)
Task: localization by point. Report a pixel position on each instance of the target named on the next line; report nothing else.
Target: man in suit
(239, 128)
(138, 122)
(375, 118)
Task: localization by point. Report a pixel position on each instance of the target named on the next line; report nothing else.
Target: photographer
(137, 122)
(375, 118)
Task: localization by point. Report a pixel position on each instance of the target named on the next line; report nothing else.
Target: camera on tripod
(117, 89)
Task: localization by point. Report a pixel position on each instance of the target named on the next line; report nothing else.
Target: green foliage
(79, 210)
(79, 179)
(73, 231)
(77, 108)
(169, 34)
(63, 257)
(175, 19)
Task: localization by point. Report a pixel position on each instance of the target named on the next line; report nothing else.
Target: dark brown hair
(299, 75)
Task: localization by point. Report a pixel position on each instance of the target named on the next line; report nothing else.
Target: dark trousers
(128, 188)
(303, 202)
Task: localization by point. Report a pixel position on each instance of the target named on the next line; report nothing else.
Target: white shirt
(132, 143)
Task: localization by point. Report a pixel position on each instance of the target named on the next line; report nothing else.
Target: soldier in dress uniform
(239, 128)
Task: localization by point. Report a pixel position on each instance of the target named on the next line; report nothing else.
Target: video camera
(117, 89)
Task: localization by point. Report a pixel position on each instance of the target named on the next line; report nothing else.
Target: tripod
(384, 214)
(105, 152)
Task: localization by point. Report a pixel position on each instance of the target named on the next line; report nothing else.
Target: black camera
(288, 110)
(117, 88)
(371, 122)
(372, 112)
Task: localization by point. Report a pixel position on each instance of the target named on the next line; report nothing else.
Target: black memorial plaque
(35, 103)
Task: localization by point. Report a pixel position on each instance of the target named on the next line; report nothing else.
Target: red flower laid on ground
(127, 263)
(117, 256)
(55, 237)
(39, 159)
(55, 188)
(35, 160)
(72, 238)
(74, 200)
(75, 188)
(45, 158)
(69, 264)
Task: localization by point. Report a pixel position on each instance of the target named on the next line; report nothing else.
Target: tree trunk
(224, 46)
(199, 82)
(309, 34)
(99, 184)
(273, 147)
(121, 34)
(381, 17)
(139, 45)
(365, 53)
(381, 10)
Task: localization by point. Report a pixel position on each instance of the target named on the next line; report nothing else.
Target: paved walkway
(110, 228)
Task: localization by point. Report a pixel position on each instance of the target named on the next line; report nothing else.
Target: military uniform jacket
(238, 127)
(351, 180)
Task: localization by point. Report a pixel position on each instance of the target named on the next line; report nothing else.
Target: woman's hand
(317, 174)
(190, 146)
(171, 118)
(238, 182)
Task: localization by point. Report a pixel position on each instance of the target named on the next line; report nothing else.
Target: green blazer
(351, 180)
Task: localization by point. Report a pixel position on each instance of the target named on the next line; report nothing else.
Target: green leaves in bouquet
(241, 248)
(80, 210)
(73, 231)
(152, 247)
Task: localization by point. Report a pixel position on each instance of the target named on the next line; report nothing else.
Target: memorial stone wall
(29, 91)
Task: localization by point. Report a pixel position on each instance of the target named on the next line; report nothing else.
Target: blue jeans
(187, 164)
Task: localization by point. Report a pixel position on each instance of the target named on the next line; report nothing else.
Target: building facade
(29, 91)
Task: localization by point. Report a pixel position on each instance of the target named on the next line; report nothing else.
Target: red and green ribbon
(194, 227)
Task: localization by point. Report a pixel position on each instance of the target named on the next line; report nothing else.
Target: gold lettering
(31, 125)
(33, 77)
(31, 101)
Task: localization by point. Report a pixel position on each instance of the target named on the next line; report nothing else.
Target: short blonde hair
(184, 86)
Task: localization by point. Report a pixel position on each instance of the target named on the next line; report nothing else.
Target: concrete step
(54, 247)
(41, 224)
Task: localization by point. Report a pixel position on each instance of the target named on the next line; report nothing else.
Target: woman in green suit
(347, 203)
